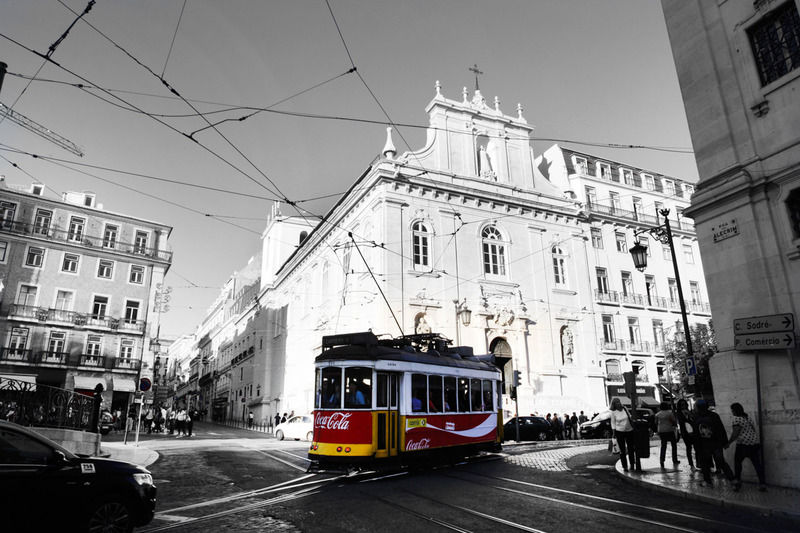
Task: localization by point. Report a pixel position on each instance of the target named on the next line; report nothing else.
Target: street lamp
(464, 313)
(639, 253)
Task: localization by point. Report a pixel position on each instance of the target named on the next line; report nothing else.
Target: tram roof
(367, 347)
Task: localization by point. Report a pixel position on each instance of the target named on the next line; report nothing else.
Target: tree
(704, 346)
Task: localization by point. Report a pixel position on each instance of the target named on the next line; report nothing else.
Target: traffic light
(513, 393)
(516, 378)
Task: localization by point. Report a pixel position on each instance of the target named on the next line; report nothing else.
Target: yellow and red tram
(402, 399)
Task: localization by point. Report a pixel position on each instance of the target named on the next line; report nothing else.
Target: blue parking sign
(691, 368)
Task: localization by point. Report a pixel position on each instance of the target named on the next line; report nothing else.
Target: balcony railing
(44, 314)
(615, 377)
(127, 364)
(700, 307)
(66, 359)
(606, 296)
(97, 361)
(641, 346)
(641, 378)
(52, 234)
(16, 354)
(613, 346)
(53, 357)
(643, 218)
(657, 301)
(632, 299)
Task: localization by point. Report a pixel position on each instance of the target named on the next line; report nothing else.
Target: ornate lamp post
(464, 313)
(638, 251)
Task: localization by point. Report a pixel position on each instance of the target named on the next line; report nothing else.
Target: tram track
(675, 515)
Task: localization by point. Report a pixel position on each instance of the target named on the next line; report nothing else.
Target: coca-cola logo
(337, 421)
(421, 444)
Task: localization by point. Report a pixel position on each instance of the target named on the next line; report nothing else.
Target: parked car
(106, 422)
(530, 428)
(601, 429)
(297, 428)
(45, 487)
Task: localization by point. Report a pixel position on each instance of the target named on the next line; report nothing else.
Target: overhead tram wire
(178, 25)
(350, 234)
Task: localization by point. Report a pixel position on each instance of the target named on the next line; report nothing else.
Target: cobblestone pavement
(553, 459)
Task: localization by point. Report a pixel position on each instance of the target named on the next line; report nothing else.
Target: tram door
(388, 414)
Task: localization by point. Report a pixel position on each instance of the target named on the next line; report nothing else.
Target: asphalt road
(224, 479)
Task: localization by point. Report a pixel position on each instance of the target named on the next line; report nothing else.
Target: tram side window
(499, 395)
(358, 383)
(487, 395)
(435, 394)
(331, 388)
(419, 392)
(475, 387)
(382, 391)
(463, 395)
(318, 395)
(450, 404)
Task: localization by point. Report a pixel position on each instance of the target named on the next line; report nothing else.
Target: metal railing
(45, 314)
(81, 239)
(31, 404)
(615, 377)
(657, 301)
(612, 346)
(606, 296)
(28, 356)
(632, 299)
(641, 378)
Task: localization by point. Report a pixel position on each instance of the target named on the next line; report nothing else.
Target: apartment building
(77, 282)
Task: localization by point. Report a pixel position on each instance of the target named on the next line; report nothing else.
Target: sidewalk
(680, 479)
(129, 453)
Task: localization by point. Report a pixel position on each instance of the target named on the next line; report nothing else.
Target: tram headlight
(338, 448)
(347, 450)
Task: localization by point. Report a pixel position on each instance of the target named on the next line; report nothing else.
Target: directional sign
(691, 367)
(764, 341)
(763, 324)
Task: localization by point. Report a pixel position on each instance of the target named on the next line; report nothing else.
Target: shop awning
(25, 382)
(124, 385)
(89, 383)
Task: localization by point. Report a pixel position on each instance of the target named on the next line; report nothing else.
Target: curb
(722, 502)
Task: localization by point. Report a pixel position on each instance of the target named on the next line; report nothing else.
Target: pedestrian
(277, 419)
(558, 427)
(712, 438)
(250, 420)
(191, 416)
(622, 425)
(567, 426)
(582, 418)
(574, 424)
(748, 445)
(171, 420)
(283, 418)
(180, 422)
(666, 423)
(688, 430)
(148, 420)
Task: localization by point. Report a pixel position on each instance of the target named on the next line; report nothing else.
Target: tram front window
(359, 387)
(331, 388)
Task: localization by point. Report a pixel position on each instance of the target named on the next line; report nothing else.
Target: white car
(297, 428)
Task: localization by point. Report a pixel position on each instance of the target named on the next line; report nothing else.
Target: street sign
(691, 380)
(765, 341)
(137, 400)
(145, 384)
(763, 324)
(691, 367)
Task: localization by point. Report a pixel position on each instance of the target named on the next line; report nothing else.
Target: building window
(688, 254)
(421, 246)
(27, 295)
(7, 210)
(627, 176)
(650, 287)
(110, 236)
(613, 369)
(673, 289)
(608, 328)
(41, 222)
(658, 333)
(615, 203)
(622, 243)
(793, 205)
(105, 269)
(76, 227)
(34, 257)
(638, 368)
(57, 339)
(70, 263)
(137, 274)
(580, 166)
(140, 243)
(18, 341)
(658, 185)
(99, 306)
(669, 187)
(559, 266)
(637, 207)
(694, 289)
(644, 241)
(494, 252)
(591, 196)
(602, 280)
(649, 182)
(64, 300)
(597, 238)
(627, 284)
(3, 251)
(666, 252)
(604, 171)
(776, 43)
(633, 330)
(131, 311)
(126, 348)
(688, 189)
(93, 345)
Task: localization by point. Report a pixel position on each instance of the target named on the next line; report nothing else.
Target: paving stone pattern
(552, 459)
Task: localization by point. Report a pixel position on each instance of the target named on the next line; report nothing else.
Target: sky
(591, 74)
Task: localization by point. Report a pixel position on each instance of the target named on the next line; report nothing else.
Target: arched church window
(494, 251)
(421, 246)
(559, 266)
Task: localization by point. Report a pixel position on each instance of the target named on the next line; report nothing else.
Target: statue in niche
(422, 325)
(484, 164)
(567, 348)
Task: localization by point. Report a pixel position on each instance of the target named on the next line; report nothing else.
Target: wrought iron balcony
(657, 301)
(16, 354)
(44, 314)
(52, 234)
(632, 299)
(700, 307)
(615, 377)
(612, 346)
(606, 296)
(641, 346)
(127, 364)
(97, 361)
(641, 378)
(617, 212)
(53, 357)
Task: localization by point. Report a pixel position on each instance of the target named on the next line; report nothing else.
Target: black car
(530, 428)
(44, 486)
(601, 429)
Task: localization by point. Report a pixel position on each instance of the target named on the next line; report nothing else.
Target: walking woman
(688, 428)
(623, 431)
(666, 431)
(748, 445)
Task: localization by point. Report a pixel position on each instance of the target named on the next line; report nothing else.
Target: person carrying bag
(623, 427)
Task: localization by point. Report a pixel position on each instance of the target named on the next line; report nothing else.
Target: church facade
(476, 238)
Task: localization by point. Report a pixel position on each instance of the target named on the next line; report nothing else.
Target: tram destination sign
(764, 324)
